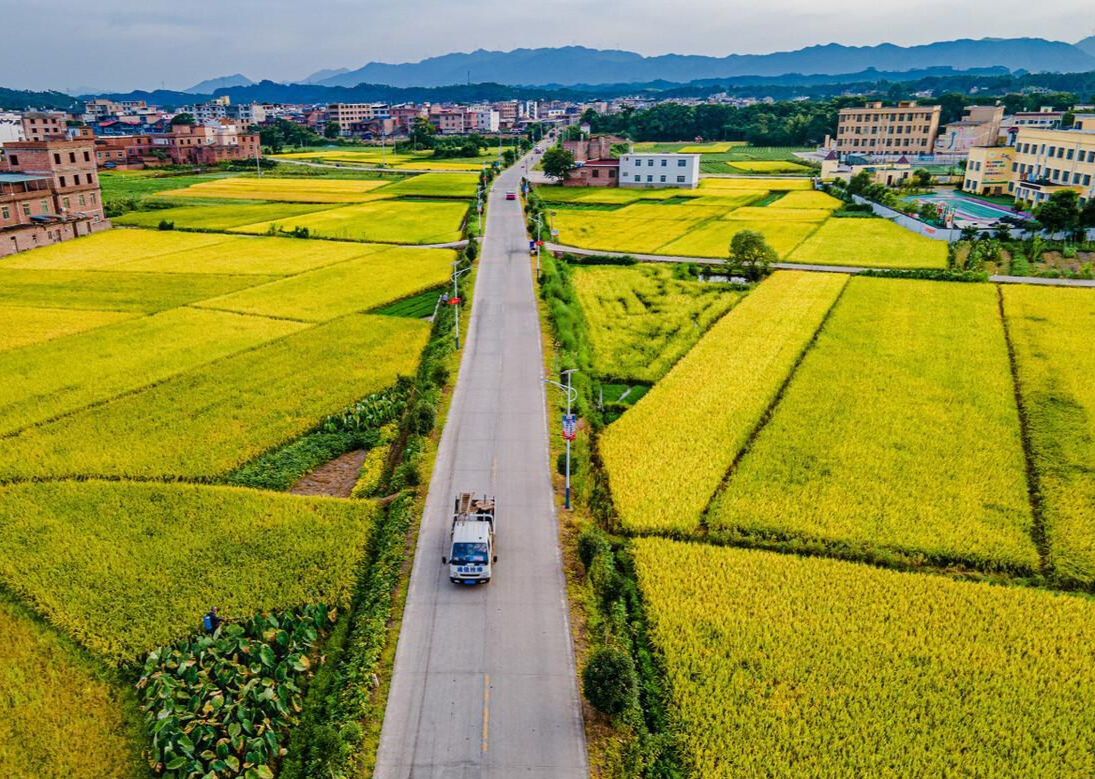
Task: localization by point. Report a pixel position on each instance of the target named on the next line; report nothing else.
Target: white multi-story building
(486, 120)
(11, 127)
(660, 170)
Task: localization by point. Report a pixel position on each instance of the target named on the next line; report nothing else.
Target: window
(56, 159)
(44, 206)
(63, 184)
(5, 212)
(72, 156)
(662, 178)
(26, 209)
(650, 163)
(14, 159)
(66, 203)
(681, 163)
(87, 157)
(1069, 155)
(664, 162)
(83, 200)
(650, 179)
(75, 179)
(680, 179)
(596, 174)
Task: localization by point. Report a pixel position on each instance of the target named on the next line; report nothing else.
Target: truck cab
(471, 540)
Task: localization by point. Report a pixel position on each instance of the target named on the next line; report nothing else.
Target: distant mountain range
(580, 65)
(211, 85)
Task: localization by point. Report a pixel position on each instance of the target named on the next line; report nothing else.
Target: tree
(859, 183)
(183, 118)
(750, 255)
(422, 134)
(1060, 212)
(928, 213)
(609, 680)
(558, 162)
(332, 130)
(1087, 214)
(923, 177)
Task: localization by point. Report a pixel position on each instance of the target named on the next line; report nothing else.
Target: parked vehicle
(471, 540)
(511, 195)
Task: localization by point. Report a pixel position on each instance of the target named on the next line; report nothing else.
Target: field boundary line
(1033, 479)
(766, 416)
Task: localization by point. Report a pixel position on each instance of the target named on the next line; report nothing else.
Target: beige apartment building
(989, 170)
(906, 128)
(1047, 161)
(980, 126)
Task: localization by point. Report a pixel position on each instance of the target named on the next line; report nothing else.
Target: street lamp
(567, 435)
(456, 299)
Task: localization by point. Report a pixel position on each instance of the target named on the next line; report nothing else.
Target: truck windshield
(465, 553)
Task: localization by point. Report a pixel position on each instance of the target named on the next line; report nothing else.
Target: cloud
(113, 44)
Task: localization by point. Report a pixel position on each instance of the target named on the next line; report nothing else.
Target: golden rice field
(771, 214)
(345, 287)
(898, 433)
(744, 182)
(217, 217)
(382, 221)
(451, 185)
(605, 231)
(59, 719)
(718, 147)
(107, 248)
(207, 421)
(290, 190)
(874, 243)
(666, 457)
(239, 255)
(767, 166)
(641, 320)
(813, 199)
(1052, 331)
(712, 239)
(21, 326)
(609, 195)
(125, 567)
(781, 666)
(41, 383)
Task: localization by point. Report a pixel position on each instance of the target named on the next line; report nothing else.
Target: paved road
(484, 683)
(554, 247)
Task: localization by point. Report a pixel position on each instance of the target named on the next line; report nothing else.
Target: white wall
(11, 128)
(660, 170)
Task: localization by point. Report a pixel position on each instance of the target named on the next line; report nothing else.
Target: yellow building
(989, 170)
(906, 128)
(1047, 161)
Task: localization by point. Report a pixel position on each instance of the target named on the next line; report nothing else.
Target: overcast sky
(126, 44)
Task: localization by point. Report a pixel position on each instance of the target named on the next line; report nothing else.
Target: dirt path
(335, 479)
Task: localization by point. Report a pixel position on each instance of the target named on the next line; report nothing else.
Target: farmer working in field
(211, 621)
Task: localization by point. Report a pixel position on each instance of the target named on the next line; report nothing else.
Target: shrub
(591, 543)
(166, 225)
(609, 681)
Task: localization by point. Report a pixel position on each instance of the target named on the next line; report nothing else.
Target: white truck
(471, 540)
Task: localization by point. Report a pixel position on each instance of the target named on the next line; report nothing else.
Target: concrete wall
(935, 233)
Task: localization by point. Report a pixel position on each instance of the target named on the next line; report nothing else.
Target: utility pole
(568, 433)
(455, 301)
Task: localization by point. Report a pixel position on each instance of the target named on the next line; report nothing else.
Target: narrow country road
(484, 683)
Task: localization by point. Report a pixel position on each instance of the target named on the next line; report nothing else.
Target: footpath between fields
(849, 269)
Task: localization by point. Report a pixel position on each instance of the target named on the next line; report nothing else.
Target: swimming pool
(968, 209)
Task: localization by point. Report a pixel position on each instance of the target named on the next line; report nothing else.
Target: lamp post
(567, 435)
(455, 300)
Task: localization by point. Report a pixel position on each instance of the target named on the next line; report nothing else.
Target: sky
(146, 44)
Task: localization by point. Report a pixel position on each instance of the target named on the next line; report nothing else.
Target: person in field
(211, 621)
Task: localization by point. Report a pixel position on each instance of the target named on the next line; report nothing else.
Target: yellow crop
(101, 291)
(666, 456)
(292, 190)
(807, 200)
(744, 182)
(218, 217)
(712, 239)
(769, 214)
(768, 166)
(899, 432)
(606, 231)
(384, 221)
(248, 255)
(609, 195)
(58, 720)
(355, 285)
(210, 420)
(68, 374)
(110, 247)
(125, 567)
(21, 326)
(642, 320)
(872, 243)
(781, 666)
(1053, 331)
(435, 185)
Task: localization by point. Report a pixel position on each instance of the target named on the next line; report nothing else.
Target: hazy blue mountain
(1087, 45)
(224, 82)
(578, 64)
(323, 75)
